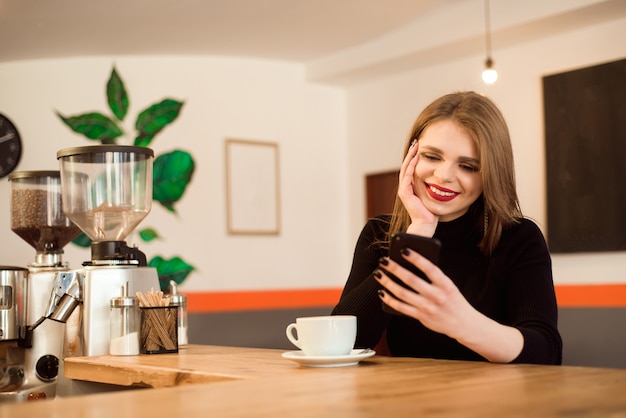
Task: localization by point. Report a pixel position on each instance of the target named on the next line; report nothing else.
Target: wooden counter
(192, 364)
(257, 382)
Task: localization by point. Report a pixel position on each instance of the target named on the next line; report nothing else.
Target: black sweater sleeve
(360, 294)
(531, 301)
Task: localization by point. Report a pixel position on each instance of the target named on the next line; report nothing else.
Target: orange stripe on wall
(590, 296)
(262, 300)
(568, 296)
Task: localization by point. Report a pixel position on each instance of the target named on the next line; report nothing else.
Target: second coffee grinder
(39, 344)
(107, 192)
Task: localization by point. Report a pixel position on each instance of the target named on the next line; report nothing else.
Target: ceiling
(334, 38)
(293, 30)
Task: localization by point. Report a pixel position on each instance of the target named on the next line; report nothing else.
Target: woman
(491, 296)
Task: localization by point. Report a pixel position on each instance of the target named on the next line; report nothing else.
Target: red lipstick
(444, 195)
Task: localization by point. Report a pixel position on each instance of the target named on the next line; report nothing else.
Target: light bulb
(490, 75)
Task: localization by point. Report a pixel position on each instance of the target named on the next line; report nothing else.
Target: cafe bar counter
(215, 381)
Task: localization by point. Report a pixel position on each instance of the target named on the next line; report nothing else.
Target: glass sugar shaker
(180, 301)
(124, 323)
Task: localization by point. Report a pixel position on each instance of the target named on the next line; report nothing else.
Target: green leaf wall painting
(172, 171)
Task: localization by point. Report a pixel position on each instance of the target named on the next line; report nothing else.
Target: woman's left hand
(438, 305)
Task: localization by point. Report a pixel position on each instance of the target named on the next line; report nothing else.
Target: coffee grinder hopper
(107, 192)
(37, 215)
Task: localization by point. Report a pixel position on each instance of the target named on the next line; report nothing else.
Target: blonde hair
(498, 206)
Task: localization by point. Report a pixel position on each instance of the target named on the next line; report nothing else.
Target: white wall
(380, 114)
(329, 137)
(224, 98)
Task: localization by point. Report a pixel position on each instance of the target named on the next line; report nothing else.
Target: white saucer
(329, 361)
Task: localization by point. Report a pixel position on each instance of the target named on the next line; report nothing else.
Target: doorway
(381, 189)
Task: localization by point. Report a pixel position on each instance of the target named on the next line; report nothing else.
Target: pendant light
(490, 75)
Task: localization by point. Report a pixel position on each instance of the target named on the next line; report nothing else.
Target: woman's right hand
(423, 222)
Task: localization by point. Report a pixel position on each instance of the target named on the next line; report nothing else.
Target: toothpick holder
(158, 330)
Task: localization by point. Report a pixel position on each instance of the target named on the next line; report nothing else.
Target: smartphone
(428, 247)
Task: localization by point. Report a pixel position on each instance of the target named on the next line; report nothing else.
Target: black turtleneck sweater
(513, 286)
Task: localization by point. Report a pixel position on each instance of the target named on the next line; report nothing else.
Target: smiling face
(447, 176)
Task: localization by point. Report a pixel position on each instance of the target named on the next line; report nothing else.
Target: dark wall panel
(585, 129)
(258, 329)
(591, 336)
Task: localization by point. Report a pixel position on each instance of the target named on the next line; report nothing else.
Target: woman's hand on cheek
(438, 305)
(423, 222)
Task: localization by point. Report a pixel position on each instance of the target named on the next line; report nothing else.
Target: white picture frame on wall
(252, 187)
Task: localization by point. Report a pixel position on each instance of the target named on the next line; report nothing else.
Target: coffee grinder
(37, 345)
(107, 192)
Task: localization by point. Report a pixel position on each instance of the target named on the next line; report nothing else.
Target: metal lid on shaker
(175, 297)
(124, 300)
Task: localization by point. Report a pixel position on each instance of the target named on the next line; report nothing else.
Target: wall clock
(10, 146)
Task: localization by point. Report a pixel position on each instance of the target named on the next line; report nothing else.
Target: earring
(486, 222)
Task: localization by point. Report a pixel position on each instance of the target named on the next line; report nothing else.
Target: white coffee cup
(323, 335)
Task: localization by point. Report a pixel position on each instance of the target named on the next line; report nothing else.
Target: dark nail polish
(405, 251)
(383, 261)
(378, 274)
(381, 293)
